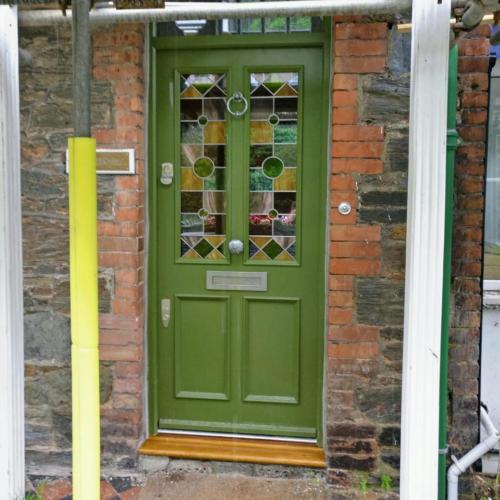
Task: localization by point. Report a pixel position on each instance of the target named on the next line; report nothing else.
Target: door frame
(321, 40)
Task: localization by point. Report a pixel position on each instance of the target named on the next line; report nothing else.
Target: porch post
(11, 275)
(424, 249)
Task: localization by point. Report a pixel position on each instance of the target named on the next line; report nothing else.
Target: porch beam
(424, 249)
(174, 11)
(11, 273)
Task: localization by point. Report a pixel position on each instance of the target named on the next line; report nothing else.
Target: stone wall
(118, 118)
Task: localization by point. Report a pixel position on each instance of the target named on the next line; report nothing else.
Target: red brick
(474, 81)
(107, 491)
(118, 244)
(129, 198)
(360, 64)
(358, 233)
(129, 119)
(109, 228)
(57, 489)
(129, 292)
(115, 322)
(132, 494)
(474, 47)
(362, 350)
(474, 100)
(339, 316)
(345, 116)
(345, 98)
(355, 249)
(358, 267)
(128, 385)
(341, 282)
(120, 337)
(357, 149)
(126, 307)
(474, 117)
(127, 276)
(128, 369)
(130, 182)
(337, 218)
(120, 260)
(362, 31)
(338, 197)
(471, 185)
(120, 353)
(117, 72)
(340, 299)
(342, 182)
(366, 133)
(358, 165)
(354, 333)
(130, 88)
(473, 133)
(129, 214)
(360, 47)
(133, 416)
(472, 151)
(345, 82)
(473, 64)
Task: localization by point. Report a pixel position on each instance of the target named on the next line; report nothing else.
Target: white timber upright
(11, 279)
(424, 249)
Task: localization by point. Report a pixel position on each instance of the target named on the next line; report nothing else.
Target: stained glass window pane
(273, 166)
(202, 152)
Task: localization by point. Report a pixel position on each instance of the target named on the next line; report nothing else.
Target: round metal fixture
(344, 208)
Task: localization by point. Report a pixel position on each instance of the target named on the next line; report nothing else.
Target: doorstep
(229, 449)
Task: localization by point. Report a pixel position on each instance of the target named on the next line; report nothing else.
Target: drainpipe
(83, 270)
(470, 457)
(451, 147)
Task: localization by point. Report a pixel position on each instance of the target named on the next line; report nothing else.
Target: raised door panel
(270, 350)
(201, 347)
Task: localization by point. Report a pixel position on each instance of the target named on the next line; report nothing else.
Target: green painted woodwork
(231, 361)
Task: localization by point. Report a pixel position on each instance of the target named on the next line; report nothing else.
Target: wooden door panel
(271, 350)
(201, 347)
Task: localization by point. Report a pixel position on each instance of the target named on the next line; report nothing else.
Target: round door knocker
(237, 97)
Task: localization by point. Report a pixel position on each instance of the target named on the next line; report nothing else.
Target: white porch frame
(11, 276)
(424, 249)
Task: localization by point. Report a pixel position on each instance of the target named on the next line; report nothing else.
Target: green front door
(239, 235)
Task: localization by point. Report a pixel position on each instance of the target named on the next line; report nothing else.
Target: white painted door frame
(424, 249)
(11, 277)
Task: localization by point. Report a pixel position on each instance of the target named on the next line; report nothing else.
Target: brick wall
(118, 59)
(366, 255)
(467, 249)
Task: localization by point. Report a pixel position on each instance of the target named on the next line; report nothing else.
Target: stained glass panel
(203, 187)
(273, 165)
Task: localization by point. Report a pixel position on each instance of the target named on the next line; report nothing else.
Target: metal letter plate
(227, 280)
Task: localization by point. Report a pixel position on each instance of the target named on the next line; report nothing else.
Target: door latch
(167, 173)
(165, 312)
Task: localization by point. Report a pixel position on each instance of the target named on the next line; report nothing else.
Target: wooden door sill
(258, 451)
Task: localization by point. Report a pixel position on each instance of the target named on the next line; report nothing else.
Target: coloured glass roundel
(203, 167)
(273, 119)
(272, 167)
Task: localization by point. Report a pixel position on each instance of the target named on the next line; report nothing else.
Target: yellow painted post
(84, 318)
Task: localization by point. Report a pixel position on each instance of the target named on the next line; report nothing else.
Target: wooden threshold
(227, 449)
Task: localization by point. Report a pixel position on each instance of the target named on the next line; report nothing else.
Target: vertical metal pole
(83, 269)
(82, 64)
